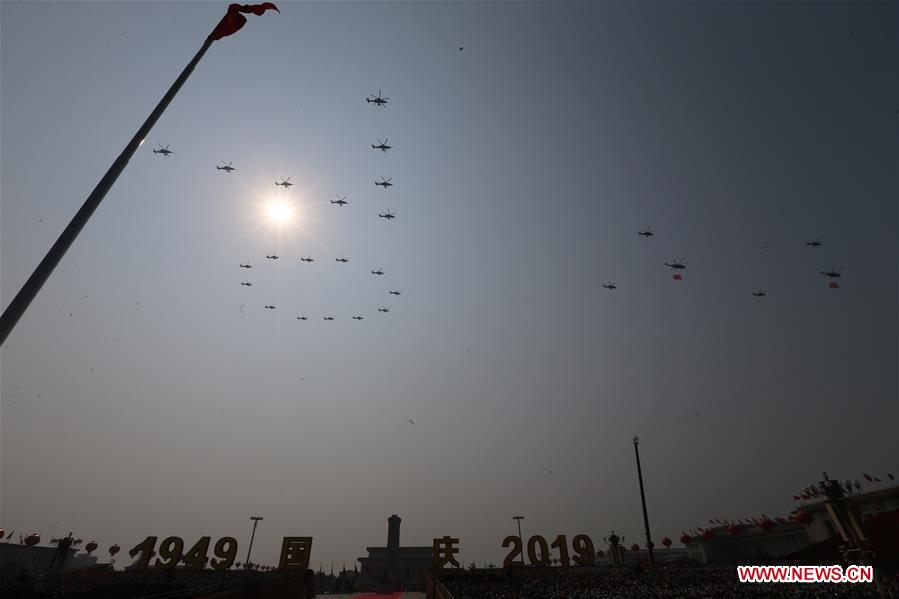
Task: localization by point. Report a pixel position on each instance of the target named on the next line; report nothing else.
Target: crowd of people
(124, 585)
(663, 582)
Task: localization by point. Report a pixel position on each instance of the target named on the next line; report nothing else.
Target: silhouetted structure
(393, 566)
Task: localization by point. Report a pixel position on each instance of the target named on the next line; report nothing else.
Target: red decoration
(734, 529)
(32, 539)
(114, 549)
(767, 525)
(677, 277)
(90, 547)
(707, 534)
(635, 547)
(685, 538)
(834, 285)
(2, 532)
(666, 542)
(804, 517)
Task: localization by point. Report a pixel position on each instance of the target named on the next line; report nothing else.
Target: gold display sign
(295, 553)
(444, 552)
(171, 553)
(539, 551)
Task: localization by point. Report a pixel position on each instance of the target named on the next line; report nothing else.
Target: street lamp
(520, 539)
(255, 520)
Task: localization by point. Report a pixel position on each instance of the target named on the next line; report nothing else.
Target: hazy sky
(146, 392)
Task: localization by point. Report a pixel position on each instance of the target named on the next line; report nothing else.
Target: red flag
(868, 477)
(797, 497)
(233, 20)
(877, 480)
(834, 285)
(677, 277)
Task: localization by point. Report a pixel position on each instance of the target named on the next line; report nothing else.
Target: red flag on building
(233, 20)
(891, 476)
(877, 480)
(797, 497)
(868, 477)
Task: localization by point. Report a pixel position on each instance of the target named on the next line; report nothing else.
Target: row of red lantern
(34, 538)
(766, 524)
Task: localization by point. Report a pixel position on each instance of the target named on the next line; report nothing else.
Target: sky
(146, 392)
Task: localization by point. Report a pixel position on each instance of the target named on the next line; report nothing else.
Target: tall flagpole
(26, 295)
(643, 501)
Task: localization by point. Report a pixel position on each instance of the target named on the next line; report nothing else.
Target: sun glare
(279, 212)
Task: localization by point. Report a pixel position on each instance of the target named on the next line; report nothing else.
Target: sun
(280, 212)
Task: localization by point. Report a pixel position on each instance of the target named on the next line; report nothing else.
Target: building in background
(394, 566)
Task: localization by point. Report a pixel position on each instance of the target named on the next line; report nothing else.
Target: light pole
(643, 500)
(255, 520)
(520, 539)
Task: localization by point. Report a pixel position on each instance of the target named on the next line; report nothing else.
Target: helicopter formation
(377, 100)
(680, 265)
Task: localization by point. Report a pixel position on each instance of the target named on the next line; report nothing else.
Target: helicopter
(227, 168)
(833, 273)
(382, 145)
(328, 317)
(164, 151)
(395, 292)
(377, 100)
(247, 284)
(272, 257)
(302, 318)
(647, 232)
(357, 317)
(378, 272)
(389, 215)
(760, 293)
(270, 307)
(246, 266)
(385, 183)
(815, 243)
(610, 285)
(340, 201)
(342, 259)
(383, 309)
(285, 183)
(307, 259)
(677, 264)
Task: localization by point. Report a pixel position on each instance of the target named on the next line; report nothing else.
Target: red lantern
(635, 547)
(236, 564)
(685, 538)
(734, 529)
(666, 542)
(766, 524)
(804, 517)
(2, 533)
(114, 549)
(32, 539)
(90, 547)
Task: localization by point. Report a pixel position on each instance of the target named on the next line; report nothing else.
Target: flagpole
(26, 295)
(643, 501)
